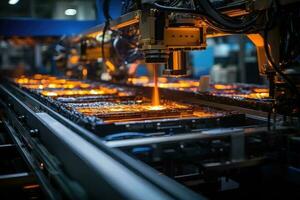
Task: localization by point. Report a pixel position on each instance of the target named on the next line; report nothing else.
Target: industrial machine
(163, 32)
(86, 139)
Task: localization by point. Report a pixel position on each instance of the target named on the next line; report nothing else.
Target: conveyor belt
(110, 108)
(57, 140)
(186, 147)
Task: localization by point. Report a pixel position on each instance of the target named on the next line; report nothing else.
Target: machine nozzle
(176, 65)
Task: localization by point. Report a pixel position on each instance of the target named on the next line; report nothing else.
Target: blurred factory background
(41, 25)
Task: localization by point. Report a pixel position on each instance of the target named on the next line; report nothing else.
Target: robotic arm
(164, 31)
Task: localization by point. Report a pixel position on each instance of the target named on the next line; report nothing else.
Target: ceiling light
(13, 2)
(70, 12)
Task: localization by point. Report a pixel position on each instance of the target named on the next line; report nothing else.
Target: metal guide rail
(75, 164)
(16, 177)
(192, 156)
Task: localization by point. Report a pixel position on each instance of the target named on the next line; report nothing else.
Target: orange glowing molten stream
(155, 96)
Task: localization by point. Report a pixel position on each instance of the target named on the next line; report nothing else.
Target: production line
(189, 85)
(163, 136)
(111, 105)
(96, 131)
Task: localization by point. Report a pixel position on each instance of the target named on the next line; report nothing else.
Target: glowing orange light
(261, 90)
(155, 95)
(110, 66)
(101, 91)
(223, 87)
(84, 73)
(156, 108)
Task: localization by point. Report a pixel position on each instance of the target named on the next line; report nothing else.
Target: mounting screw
(34, 132)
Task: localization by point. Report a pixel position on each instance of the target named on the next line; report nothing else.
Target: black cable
(207, 12)
(219, 27)
(222, 19)
(290, 83)
(106, 26)
(107, 16)
(175, 9)
(204, 15)
(105, 9)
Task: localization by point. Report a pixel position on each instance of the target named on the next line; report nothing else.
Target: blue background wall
(48, 27)
(42, 27)
(201, 61)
